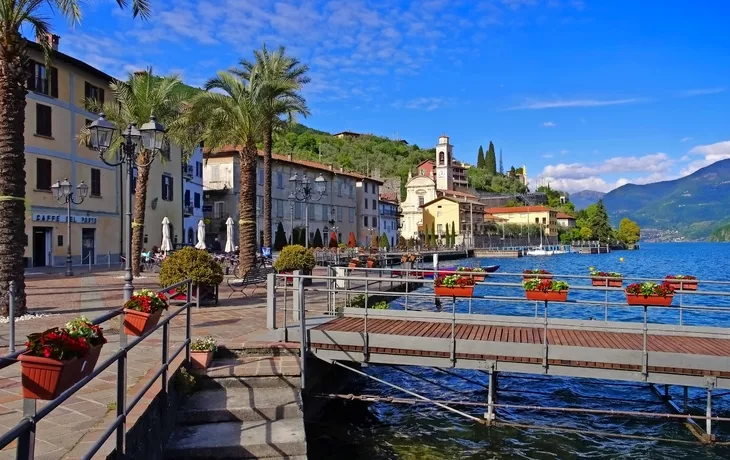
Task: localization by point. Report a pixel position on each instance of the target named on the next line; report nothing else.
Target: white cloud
(564, 152)
(701, 91)
(563, 103)
(711, 153)
(600, 184)
(549, 124)
(654, 163)
(686, 139)
(546, 155)
(422, 103)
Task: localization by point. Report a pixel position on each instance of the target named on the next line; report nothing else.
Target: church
(432, 180)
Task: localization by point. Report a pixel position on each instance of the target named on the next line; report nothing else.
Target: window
(366, 187)
(196, 200)
(219, 209)
(297, 210)
(95, 182)
(423, 171)
(339, 213)
(42, 79)
(352, 215)
(420, 200)
(259, 206)
(190, 235)
(375, 206)
(544, 220)
(325, 209)
(366, 204)
(339, 188)
(260, 176)
(441, 157)
(279, 180)
(43, 120)
(440, 227)
(167, 190)
(375, 221)
(214, 173)
(199, 169)
(43, 174)
(365, 220)
(92, 92)
(186, 199)
(279, 208)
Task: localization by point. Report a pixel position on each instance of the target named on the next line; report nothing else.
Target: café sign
(62, 218)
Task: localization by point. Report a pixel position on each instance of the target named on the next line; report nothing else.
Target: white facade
(192, 195)
(368, 212)
(444, 166)
(389, 221)
(419, 190)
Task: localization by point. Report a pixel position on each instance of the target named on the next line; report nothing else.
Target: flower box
(479, 278)
(684, 285)
(612, 282)
(458, 291)
(352, 265)
(201, 359)
(649, 300)
(551, 296)
(541, 274)
(138, 323)
(47, 378)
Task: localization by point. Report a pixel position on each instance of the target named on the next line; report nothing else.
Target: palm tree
(276, 80)
(232, 116)
(14, 72)
(135, 100)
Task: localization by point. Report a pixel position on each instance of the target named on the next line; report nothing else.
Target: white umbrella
(166, 243)
(201, 235)
(229, 235)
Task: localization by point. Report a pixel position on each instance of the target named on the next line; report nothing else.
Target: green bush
(295, 257)
(192, 263)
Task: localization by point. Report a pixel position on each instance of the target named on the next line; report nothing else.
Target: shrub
(454, 281)
(279, 238)
(384, 241)
(317, 241)
(545, 285)
(295, 257)
(192, 263)
(351, 242)
(333, 240)
(204, 344)
(342, 246)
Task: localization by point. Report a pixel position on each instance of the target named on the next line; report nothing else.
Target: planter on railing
(551, 296)
(454, 286)
(650, 294)
(540, 274)
(372, 263)
(142, 312)
(682, 282)
(546, 290)
(354, 263)
(608, 282)
(478, 274)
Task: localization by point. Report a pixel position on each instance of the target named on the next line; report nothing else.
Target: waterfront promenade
(73, 427)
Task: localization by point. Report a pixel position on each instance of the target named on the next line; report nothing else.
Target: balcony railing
(188, 210)
(187, 171)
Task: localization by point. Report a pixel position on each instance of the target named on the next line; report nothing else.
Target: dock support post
(686, 398)
(645, 350)
(708, 420)
(492, 387)
(545, 340)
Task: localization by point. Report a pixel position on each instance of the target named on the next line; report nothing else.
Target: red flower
(47, 352)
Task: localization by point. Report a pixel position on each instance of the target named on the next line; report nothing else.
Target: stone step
(280, 381)
(252, 366)
(247, 440)
(235, 404)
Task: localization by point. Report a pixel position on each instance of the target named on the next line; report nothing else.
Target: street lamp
(63, 192)
(304, 192)
(150, 137)
(291, 216)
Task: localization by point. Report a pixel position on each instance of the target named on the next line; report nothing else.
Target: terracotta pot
(650, 300)
(201, 359)
(612, 282)
(479, 278)
(371, 263)
(137, 323)
(466, 291)
(689, 285)
(353, 265)
(551, 296)
(540, 277)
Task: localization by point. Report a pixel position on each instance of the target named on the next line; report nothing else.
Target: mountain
(693, 205)
(721, 233)
(585, 198)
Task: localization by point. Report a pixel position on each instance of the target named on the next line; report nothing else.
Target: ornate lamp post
(291, 217)
(304, 192)
(149, 137)
(63, 192)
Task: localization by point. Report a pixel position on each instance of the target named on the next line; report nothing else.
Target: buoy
(621, 259)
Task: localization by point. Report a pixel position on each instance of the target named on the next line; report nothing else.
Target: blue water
(358, 430)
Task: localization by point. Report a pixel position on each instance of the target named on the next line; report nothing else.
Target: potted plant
(650, 294)
(372, 262)
(682, 282)
(201, 352)
(408, 257)
(197, 265)
(58, 358)
(606, 279)
(354, 262)
(546, 289)
(477, 273)
(454, 286)
(536, 273)
(143, 311)
(296, 257)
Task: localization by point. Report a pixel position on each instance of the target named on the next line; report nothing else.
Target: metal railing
(25, 430)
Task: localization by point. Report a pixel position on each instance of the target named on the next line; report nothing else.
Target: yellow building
(533, 215)
(464, 215)
(54, 115)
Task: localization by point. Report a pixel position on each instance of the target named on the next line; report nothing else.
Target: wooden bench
(254, 277)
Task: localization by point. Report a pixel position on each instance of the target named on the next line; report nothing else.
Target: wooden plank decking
(614, 350)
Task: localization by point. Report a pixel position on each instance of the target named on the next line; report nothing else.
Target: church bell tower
(444, 171)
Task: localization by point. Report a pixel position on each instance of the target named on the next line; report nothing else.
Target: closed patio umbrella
(229, 235)
(201, 235)
(166, 245)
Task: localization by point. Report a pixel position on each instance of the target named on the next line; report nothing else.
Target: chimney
(331, 167)
(288, 157)
(342, 169)
(53, 40)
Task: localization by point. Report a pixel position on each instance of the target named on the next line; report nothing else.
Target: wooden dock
(494, 253)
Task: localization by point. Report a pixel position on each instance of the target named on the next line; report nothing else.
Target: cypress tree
(317, 241)
(447, 237)
(384, 241)
(433, 234)
(480, 158)
(491, 160)
(279, 238)
(453, 234)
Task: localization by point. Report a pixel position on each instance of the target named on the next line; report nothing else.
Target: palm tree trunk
(13, 70)
(267, 184)
(247, 209)
(140, 203)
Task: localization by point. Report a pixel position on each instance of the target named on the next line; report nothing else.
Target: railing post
(109, 259)
(271, 301)
(122, 405)
(188, 298)
(296, 282)
(545, 339)
(366, 338)
(26, 441)
(490, 396)
(453, 329)
(163, 383)
(302, 331)
(11, 315)
(645, 351)
(197, 296)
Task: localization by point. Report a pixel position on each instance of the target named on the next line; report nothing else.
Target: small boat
(540, 252)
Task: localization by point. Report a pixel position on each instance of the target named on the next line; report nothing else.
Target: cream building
(55, 114)
(334, 212)
(534, 215)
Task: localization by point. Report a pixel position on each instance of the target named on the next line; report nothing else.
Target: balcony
(188, 210)
(187, 171)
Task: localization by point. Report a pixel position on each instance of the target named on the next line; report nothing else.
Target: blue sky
(588, 94)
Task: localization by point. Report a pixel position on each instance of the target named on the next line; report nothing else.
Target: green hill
(693, 205)
(721, 234)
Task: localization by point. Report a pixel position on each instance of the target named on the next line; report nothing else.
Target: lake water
(359, 430)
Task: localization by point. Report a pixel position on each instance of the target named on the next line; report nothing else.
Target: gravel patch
(27, 316)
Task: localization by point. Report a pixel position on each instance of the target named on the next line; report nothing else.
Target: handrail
(24, 431)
